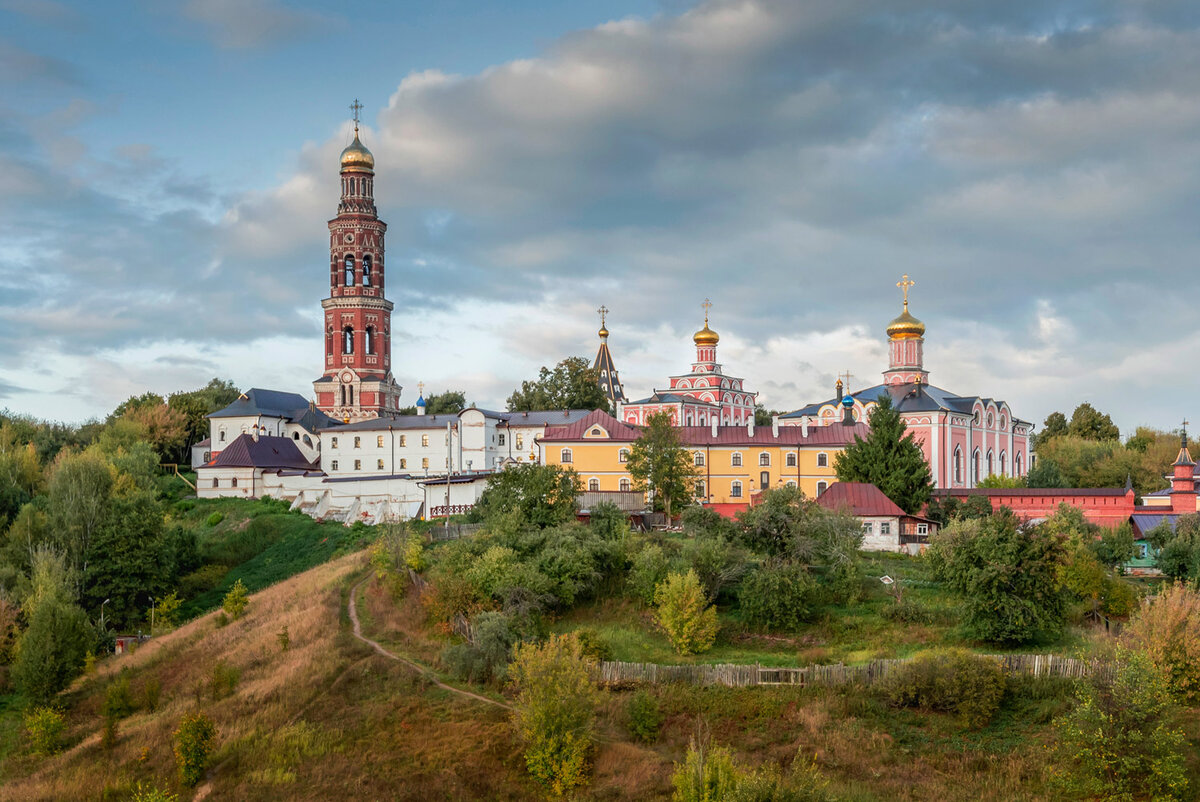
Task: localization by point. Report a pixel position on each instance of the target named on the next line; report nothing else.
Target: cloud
(242, 24)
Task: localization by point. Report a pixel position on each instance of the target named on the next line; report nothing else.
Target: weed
(222, 679)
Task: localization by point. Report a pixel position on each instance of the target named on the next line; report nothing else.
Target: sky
(167, 170)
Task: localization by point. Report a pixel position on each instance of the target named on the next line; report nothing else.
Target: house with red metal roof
(886, 527)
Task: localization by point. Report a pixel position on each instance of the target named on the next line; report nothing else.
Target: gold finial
(847, 376)
(603, 310)
(356, 107)
(707, 305)
(904, 284)
(420, 388)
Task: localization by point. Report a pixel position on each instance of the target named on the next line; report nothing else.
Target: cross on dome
(603, 312)
(355, 108)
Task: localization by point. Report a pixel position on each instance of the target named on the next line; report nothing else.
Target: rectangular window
(425, 441)
(333, 442)
(358, 442)
(379, 465)
(520, 442)
(424, 462)
(502, 439)
(233, 482)
(403, 464)
(1143, 551)
(866, 527)
(379, 441)
(922, 529)
(216, 482)
(735, 490)
(885, 527)
(736, 459)
(403, 441)
(358, 465)
(333, 465)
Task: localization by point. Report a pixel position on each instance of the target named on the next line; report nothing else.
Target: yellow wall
(598, 458)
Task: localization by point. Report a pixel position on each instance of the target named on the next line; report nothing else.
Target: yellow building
(733, 463)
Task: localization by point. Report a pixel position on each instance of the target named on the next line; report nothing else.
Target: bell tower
(906, 345)
(357, 383)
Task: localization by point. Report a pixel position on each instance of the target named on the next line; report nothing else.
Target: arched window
(366, 271)
(295, 435)
(791, 459)
(822, 460)
(991, 462)
(594, 485)
(821, 487)
(216, 482)
(735, 489)
(233, 482)
(1017, 464)
(764, 481)
(221, 437)
(622, 455)
(975, 467)
(1003, 464)
(624, 484)
(369, 340)
(348, 340)
(958, 465)
(348, 274)
(764, 459)
(736, 460)
(565, 456)
(698, 459)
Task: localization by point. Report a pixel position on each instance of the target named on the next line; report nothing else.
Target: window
(735, 490)
(1143, 551)
(366, 271)
(991, 463)
(791, 459)
(379, 465)
(348, 340)
(975, 418)
(295, 435)
(975, 467)
(348, 274)
(990, 419)
(1017, 464)
(216, 482)
(764, 460)
(922, 529)
(958, 465)
(736, 459)
(624, 484)
(1003, 463)
(822, 460)
(358, 465)
(333, 465)
(425, 463)
(700, 489)
(369, 340)
(791, 483)
(885, 527)
(424, 441)
(565, 456)
(333, 442)
(821, 487)
(403, 441)
(764, 480)
(221, 438)
(698, 459)
(520, 442)
(358, 442)
(594, 485)
(233, 482)
(403, 464)
(379, 441)
(502, 439)
(866, 527)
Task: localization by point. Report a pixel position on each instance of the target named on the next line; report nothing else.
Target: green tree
(195, 740)
(555, 709)
(449, 402)
(1007, 575)
(683, 613)
(197, 405)
(52, 648)
(1167, 631)
(125, 560)
(1045, 473)
(236, 600)
(542, 495)
(1091, 424)
(888, 458)
(135, 402)
(659, 462)
(997, 480)
(572, 384)
(80, 489)
(1055, 425)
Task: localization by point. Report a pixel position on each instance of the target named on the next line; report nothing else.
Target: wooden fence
(741, 676)
(454, 531)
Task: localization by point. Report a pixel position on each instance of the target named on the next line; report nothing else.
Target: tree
(164, 428)
(1167, 630)
(998, 480)
(764, 416)
(80, 488)
(195, 739)
(888, 458)
(573, 384)
(52, 648)
(659, 462)
(1091, 424)
(1055, 425)
(1007, 574)
(543, 495)
(197, 405)
(683, 612)
(125, 562)
(449, 402)
(555, 709)
(235, 601)
(134, 402)
(1045, 473)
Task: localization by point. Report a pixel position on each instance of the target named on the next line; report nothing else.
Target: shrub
(448, 595)
(1118, 743)
(166, 614)
(284, 638)
(44, 727)
(593, 645)
(236, 600)
(89, 662)
(1168, 630)
(414, 552)
(194, 742)
(649, 569)
(204, 578)
(954, 681)
(645, 717)
(707, 773)
(151, 693)
(690, 625)
(215, 518)
(222, 679)
(718, 564)
(554, 711)
(487, 658)
(108, 735)
(152, 794)
(118, 698)
(907, 611)
(221, 620)
(777, 597)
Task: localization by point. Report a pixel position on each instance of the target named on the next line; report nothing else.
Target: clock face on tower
(347, 377)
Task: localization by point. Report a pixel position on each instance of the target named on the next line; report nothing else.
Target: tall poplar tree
(658, 460)
(888, 458)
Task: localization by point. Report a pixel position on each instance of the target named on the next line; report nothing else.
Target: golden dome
(706, 336)
(357, 155)
(603, 332)
(906, 327)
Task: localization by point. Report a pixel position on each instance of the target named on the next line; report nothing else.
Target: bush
(236, 600)
(151, 693)
(690, 625)
(194, 742)
(285, 639)
(487, 658)
(1168, 630)
(707, 773)
(414, 552)
(167, 612)
(649, 569)
(118, 698)
(1118, 743)
(777, 597)
(185, 505)
(593, 645)
(222, 679)
(44, 727)
(204, 578)
(953, 681)
(152, 794)
(554, 711)
(645, 717)
(907, 611)
(718, 564)
(215, 518)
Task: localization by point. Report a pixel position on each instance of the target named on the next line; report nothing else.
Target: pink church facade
(965, 438)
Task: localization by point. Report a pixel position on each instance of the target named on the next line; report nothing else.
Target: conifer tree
(888, 458)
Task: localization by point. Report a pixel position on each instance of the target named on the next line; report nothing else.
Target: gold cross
(603, 310)
(420, 388)
(904, 284)
(356, 107)
(707, 305)
(847, 376)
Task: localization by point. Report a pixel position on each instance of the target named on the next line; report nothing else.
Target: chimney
(254, 433)
(775, 426)
(714, 427)
(837, 389)
(804, 426)
(750, 427)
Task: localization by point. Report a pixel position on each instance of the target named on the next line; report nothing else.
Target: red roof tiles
(861, 498)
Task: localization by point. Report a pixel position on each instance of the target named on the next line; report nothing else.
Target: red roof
(692, 436)
(861, 498)
(575, 431)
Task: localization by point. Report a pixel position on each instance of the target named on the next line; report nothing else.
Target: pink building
(965, 438)
(704, 396)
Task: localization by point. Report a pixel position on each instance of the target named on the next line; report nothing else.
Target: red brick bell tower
(357, 383)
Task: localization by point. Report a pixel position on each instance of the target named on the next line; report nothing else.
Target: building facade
(357, 381)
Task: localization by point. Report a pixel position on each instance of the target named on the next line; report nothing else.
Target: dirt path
(352, 610)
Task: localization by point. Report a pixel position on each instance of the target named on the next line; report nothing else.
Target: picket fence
(742, 676)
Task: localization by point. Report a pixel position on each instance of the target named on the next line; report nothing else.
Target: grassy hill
(329, 717)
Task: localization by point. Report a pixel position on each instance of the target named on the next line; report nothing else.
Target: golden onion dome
(706, 336)
(906, 327)
(357, 155)
(603, 332)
